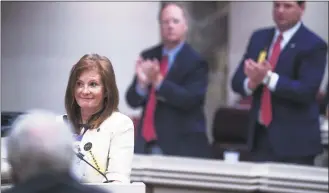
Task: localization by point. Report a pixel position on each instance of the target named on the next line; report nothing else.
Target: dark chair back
(230, 131)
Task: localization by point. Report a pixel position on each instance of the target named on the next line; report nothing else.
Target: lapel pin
(292, 45)
(87, 146)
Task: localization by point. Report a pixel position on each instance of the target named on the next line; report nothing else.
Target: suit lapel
(176, 68)
(292, 44)
(158, 54)
(269, 40)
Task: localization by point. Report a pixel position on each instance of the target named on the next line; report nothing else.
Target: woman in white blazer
(104, 136)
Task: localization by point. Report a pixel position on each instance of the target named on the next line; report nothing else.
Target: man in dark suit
(170, 85)
(284, 118)
(40, 152)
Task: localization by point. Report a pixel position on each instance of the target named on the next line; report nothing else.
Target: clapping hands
(256, 71)
(148, 72)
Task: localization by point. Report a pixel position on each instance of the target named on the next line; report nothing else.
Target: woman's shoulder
(120, 116)
(117, 118)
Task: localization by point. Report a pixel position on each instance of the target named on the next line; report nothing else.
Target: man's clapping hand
(147, 71)
(256, 72)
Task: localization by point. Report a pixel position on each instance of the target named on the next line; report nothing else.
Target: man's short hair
(39, 143)
(178, 4)
(300, 3)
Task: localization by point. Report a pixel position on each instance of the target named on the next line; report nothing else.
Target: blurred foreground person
(170, 85)
(40, 154)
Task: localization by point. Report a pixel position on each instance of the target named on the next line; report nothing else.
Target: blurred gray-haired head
(39, 143)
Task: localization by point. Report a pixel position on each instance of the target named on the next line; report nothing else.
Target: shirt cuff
(141, 91)
(272, 80)
(247, 90)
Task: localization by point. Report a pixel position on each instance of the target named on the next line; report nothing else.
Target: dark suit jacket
(294, 130)
(180, 99)
(51, 183)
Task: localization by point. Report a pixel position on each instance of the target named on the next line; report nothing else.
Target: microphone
(80, 156)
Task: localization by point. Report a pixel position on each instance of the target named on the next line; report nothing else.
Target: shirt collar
(287, 35)
(174, 51)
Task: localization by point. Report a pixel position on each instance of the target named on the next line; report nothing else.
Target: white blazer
(112, 149)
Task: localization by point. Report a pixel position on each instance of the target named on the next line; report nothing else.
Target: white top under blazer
(112, 150)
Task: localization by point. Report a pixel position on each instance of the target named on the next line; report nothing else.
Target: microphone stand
(80, 155)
